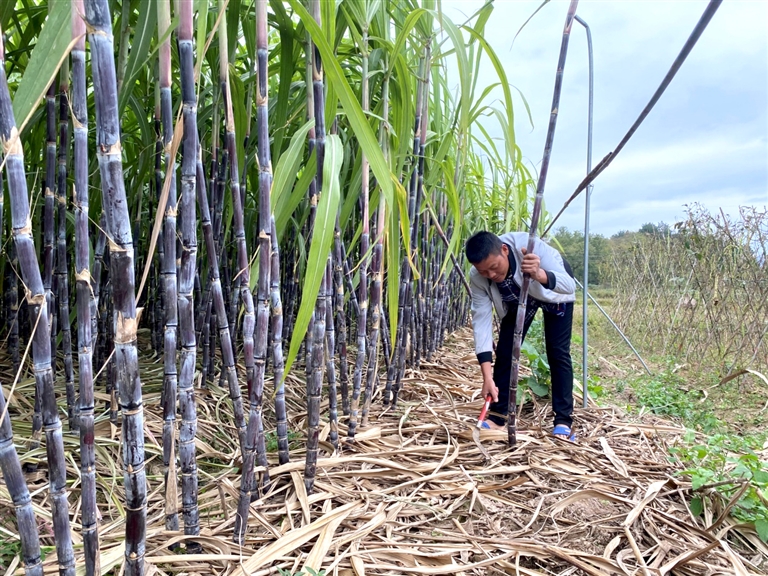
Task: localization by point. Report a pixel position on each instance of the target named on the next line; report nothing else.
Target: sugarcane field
(289, 288)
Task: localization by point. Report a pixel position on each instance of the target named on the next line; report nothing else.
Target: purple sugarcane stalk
(520, 321)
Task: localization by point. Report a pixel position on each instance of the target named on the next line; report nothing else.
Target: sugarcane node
(12, 146)
(125, 329)
(35, 299)
(114, 246)
(24, 230)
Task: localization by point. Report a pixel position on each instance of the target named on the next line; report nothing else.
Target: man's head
(489, 255)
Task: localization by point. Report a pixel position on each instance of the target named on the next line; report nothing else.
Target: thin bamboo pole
(41, 352)
(89, 517)
(123, 283)
(521, 307)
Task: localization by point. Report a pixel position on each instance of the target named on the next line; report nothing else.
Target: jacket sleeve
(482, 319)
(552, 262)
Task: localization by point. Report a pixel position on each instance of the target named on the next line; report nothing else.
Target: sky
(705, 141)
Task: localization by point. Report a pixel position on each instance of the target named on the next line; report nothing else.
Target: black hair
(481, 245)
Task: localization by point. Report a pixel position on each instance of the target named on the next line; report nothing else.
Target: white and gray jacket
(486, 295)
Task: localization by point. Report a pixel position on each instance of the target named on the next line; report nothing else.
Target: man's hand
(489, 387)
(530, 265)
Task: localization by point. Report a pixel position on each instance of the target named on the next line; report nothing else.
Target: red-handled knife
(483, 412)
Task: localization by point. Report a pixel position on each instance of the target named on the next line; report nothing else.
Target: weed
(9, 549)
(727, 462)
(271, 439)
(309, 572)
(533, 349)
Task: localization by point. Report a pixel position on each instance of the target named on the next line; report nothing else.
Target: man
(495, 278)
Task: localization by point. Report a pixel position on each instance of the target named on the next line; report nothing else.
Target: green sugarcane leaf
(369, 144)
(53, 45)
(287, 66)
(322, 238)
(405, 31)
(139, 56)
(288, 166)
(510, 120)
(465, 98)
(240, 114)
(299, 192)
(202, 25)
(233, 25)
(6, 9)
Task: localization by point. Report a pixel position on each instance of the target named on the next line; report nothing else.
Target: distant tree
(661, 229)
(571, 244)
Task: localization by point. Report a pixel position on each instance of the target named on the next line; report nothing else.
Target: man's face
(495, 266)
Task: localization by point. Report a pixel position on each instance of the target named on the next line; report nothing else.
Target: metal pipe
(585, 291)
(617, 330)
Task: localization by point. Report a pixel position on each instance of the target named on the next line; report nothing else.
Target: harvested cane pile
(417, 494)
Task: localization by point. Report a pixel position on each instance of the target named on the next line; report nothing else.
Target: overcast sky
(705, 141)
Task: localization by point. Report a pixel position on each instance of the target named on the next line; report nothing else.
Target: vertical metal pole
(585, 290)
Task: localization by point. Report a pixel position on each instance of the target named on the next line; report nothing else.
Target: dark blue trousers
(557, 338)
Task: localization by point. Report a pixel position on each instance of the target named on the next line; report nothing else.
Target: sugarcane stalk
(12, 304)
(535, 214)
(340, 318)
(41, 348)
(377, 265)
(362, 317)
(277, 349)
(393, 372)
(22, 502)
(217, 295)
(159, 323)
(123, 283)
(330, 349)
(243, 274)
(316, 329)
(191, 154)
(89, 511)
(168, 275)
(254, 444)
(61, 246)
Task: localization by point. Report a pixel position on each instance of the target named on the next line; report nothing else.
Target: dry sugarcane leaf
(650, 494)
(612, 545)
(323, 544)
(686, 557)
(738, 565)
(582, 495)
(611, 455)
(301, 494)
(107, 560)
(292, 540)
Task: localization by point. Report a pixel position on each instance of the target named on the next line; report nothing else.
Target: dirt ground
(415, 493)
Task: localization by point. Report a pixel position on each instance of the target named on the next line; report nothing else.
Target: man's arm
(482, 327)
